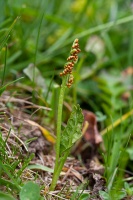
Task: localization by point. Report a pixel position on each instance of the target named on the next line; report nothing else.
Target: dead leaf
(46, 133)
(74, 172)
(87, 145)
(92, 134)
(78, 175)
(128, 71)
(126, 96)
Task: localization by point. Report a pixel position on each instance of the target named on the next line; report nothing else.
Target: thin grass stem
(4, 72)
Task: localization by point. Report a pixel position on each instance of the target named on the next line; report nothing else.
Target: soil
(27, 139)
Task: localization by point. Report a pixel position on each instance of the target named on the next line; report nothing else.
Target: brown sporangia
(88, 144)
(72, 60)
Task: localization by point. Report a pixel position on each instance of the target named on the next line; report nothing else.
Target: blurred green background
(35, 41)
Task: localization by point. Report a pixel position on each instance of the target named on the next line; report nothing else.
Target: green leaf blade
(72, 131)
(4, 196)
(30, 191)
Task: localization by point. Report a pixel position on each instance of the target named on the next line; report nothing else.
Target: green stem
(59, 119)
(4, 72)
(58, 170)
(58, 137)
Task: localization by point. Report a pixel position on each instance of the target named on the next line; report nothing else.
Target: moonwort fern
(72, 131)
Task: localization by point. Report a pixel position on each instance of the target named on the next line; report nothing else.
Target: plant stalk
(58, 136)
(58, 170)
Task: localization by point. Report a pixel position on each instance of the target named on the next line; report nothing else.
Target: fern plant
(72, 131)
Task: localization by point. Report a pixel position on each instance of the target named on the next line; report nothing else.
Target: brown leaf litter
(28, 138)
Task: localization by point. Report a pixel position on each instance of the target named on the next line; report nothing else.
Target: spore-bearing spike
(73, 58)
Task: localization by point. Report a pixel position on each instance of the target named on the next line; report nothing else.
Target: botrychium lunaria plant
(72, 132)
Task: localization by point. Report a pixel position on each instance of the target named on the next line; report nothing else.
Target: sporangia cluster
(72, 59)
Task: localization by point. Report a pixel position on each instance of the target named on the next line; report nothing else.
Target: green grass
(41, 32)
